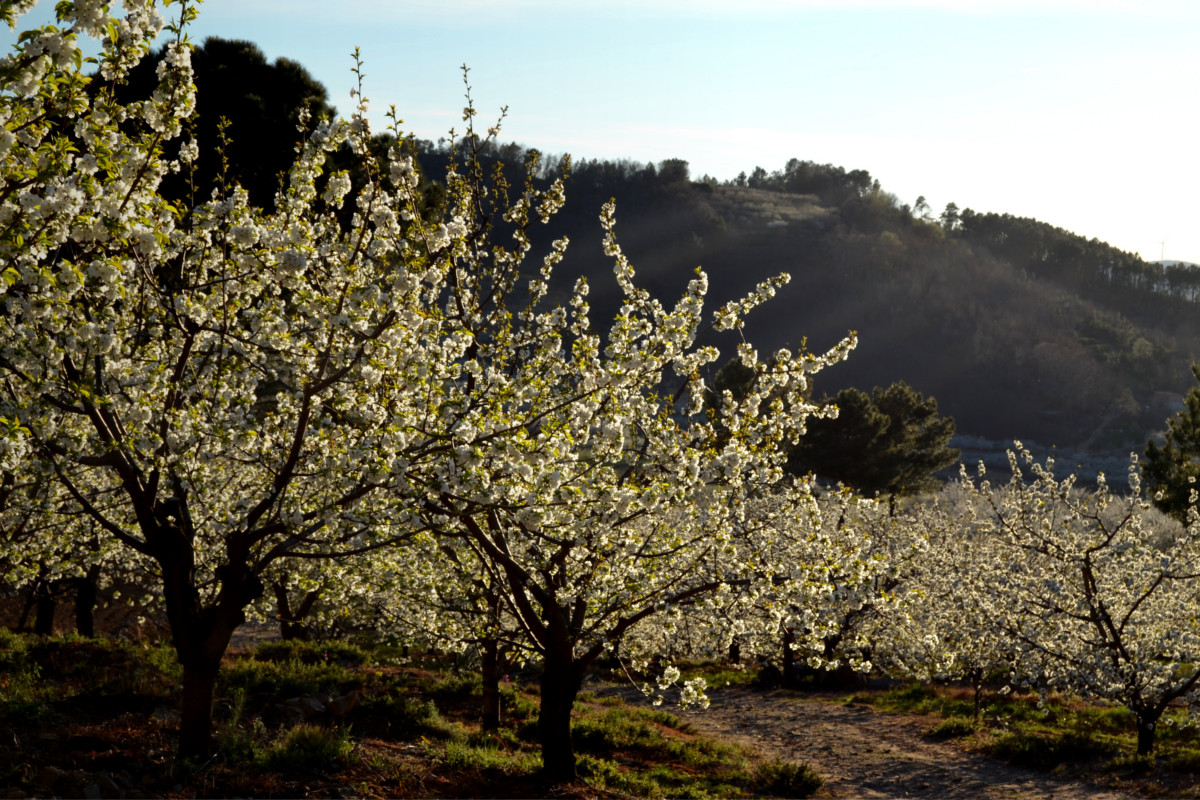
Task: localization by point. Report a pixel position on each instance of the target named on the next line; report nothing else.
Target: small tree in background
(1171, 469)
(891, 441)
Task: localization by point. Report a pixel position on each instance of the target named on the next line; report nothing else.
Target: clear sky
(1081, 113)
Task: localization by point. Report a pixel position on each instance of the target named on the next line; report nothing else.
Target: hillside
(1018, 328)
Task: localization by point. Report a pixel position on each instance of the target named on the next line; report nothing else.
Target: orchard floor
(862, 753)
(858, 751)
(123, 744)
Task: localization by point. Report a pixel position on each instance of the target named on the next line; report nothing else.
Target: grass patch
(343, 653)
(785, 779)
(1049, 751)
(490, 757)
(405, 715)
(616, 729)
(39, 675)
(283, 679)
(308, 748)
(718, 674)
(1092, 742)
(653, 753)
(517, 705)
(952, 728)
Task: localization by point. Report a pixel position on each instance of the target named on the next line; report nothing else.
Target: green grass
(517, 705)
(403, 710)
(284, 679)
(1051, 749)
(652, 753)
(36, 672)
(952, 728)
(617, 729)
(491, 757)
(457, 687)
(406, 715)
(1094, 742)
(307, 748)
(343, 653)
(718, 674)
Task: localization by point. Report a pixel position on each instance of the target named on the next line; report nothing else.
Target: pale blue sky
(1080, 113)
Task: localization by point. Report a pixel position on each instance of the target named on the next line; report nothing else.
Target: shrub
(240, 745)
(308, 747)
(404, 714)
(913, 695)
(705, 754)
(516, 705)
(466, 686)
(786, 779)
(1140, 765)
(22, 696)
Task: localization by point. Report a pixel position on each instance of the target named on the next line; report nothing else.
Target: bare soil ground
(862, 753)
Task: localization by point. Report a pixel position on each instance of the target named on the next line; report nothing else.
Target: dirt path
(862, 753)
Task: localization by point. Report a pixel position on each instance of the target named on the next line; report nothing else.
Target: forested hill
(1018, 328)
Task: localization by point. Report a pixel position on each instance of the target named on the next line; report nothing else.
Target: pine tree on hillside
(1171, 469)
(889, 442)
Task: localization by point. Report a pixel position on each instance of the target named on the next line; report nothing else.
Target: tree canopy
(245, 122)
(891, 441)
(219, 388)
(1172, 468)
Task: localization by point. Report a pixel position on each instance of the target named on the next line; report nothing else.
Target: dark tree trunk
(561, 678)
(490, 669)
(1147, 722)
(735, 652)
(200, 655)
(86, 591)
(201, 633)
(46, 605)
(291, 622)
(789, 658)
(291, 631)
(977, 685)
(195, 721)
(30, 601)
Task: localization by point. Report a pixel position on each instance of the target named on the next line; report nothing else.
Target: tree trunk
(977, 685)
(490, 669)
(201, 634)
(86, 591)
(195, 722)
(561, 679)
(291, 623)
(46, 605)
(30, 600)
(789, 658)
(1147, 722)
(735, 652)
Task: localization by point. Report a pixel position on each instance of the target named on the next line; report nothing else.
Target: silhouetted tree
(673, 170)
(260, 103)
(891, 441)
(1171, 469)
(951, 220)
